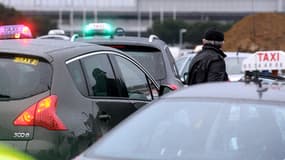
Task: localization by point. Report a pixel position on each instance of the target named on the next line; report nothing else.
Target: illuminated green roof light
(93, 29)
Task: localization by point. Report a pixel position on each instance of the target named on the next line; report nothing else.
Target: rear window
(23, 76)
(150, 58)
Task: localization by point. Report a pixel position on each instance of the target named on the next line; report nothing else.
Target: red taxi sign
(97, 26)
(264, 60)
(15, 32)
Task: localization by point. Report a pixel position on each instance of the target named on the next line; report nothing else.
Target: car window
(180, 61)
(200, 129)
(78, 76)
(186, 67)
(23, 76)
(134, 79)
(100, 76)
(151, 58)
(183, 64)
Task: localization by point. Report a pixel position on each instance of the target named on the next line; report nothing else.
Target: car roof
(46, 48)
(54, 36)
(238, 54)
(229, 54)
(229, 90)
(186, 55)
(126, 40)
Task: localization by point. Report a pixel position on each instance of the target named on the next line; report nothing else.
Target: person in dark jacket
(209, 65)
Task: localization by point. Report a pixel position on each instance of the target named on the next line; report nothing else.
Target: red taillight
(43, 114)
(173, 86)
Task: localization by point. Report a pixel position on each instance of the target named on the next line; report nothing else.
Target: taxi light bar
(98, 29)
(264, 64)
(42, 113)
(265, 60)
(15, 32)
(56, 32)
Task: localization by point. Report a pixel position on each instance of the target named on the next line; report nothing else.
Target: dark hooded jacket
(207, 66)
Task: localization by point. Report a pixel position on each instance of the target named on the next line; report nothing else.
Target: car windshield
(180, 61)
(200, 129)
(23, 76)
(233, 65)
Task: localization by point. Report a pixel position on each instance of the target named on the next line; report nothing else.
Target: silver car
(233, 64)
(201, 122)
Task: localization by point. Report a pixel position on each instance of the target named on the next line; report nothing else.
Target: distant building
(138, 15)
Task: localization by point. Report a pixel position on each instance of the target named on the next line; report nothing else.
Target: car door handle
(104, 117)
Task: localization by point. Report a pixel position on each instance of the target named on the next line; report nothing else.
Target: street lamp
(181, 31)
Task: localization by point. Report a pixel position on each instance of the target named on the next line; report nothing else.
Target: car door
(139, 88)
(108, 92)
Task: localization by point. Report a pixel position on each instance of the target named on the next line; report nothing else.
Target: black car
(58, 97)
(213, 121)
(151, 52)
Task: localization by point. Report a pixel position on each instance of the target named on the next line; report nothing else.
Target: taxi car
(15, 31)
(151, 52)
(204, 121)
(58, 97)
(57, 34)
(266, 65)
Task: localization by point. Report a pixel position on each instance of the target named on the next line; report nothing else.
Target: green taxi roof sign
(93, 29)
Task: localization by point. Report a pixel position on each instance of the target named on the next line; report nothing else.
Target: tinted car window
(199, 129)
(78, 76)
(150, 58)
(134, 79)
(23, 76)
(100, 76)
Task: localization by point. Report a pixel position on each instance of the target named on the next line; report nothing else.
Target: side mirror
(163, 89)
(184, 78)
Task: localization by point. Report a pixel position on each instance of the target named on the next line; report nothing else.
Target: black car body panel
(124, 43)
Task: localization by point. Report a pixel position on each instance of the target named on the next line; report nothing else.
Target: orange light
(43, 114)
(17, 35)
(44, 104)
(27, 117)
